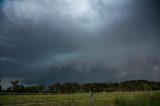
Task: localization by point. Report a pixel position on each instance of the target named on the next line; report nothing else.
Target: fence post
(90, 98)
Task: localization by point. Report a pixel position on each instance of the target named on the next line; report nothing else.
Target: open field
(82, 99)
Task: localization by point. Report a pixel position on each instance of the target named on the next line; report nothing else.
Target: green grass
(142, 99)
(81, 99)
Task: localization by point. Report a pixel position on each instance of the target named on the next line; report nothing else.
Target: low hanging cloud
(82, 40)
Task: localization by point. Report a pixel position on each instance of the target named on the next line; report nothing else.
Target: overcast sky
(44, 41)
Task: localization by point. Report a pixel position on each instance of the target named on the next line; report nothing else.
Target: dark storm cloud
(84, 40)
(138, 23)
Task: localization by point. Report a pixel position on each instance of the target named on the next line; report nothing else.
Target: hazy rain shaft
(79, 40)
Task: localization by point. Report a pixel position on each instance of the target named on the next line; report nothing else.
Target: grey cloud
(84, 40)
(108, 70)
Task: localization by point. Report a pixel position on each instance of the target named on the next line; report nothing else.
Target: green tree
(0, 85)
(15, 85)
(41, 88)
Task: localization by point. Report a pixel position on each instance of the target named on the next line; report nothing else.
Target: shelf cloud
(44, 41)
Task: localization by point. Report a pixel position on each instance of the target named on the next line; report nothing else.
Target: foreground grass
(142, 99)
(81, 99)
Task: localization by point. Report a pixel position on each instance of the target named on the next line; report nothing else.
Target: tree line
(133, 85)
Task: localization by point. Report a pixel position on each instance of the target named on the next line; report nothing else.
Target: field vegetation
(127, 93)
(148, 98)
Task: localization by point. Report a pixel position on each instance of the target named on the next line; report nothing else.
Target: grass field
(82, 99)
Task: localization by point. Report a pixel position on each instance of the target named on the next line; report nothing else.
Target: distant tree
(76, 87)
(68, 88)
(0, 85)
(57, 87)
(9, 90)
(32, 89)
(51, 88)
(71, 87)
(88, 87)
(41, 88)
(15, 85)
(21, 89)
(133, 85)
(146, 87)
